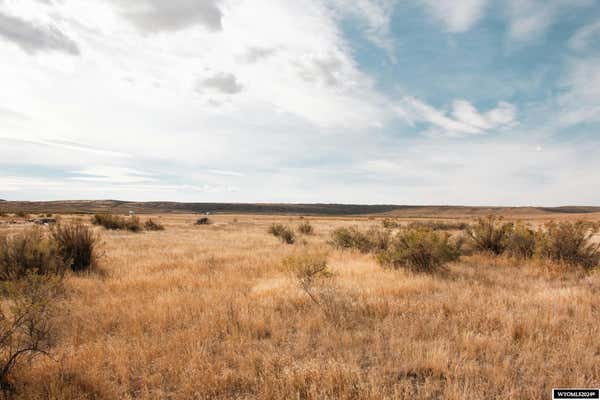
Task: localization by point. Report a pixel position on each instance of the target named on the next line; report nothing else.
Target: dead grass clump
(306, 228)
(150, 225)
(284, 233)
(421, 250)
(489, 234)
(28, 252)
(568, 243)
(367, 241)
(77, 245)
(116, 222)
(27, 311)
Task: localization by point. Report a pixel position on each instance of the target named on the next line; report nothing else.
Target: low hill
(123, 207)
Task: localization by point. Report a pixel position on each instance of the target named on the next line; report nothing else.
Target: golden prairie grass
(212, 312)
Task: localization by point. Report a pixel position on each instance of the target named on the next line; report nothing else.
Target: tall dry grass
(215, 314)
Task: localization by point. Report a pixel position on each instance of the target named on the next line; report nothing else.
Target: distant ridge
(123, 207)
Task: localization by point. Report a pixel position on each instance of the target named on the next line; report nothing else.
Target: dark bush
(202, 221)
(306, 228)
(568, 243)
(284, 233)
(489, 234)
(422, 250)
(76, 244)
(116, 222)
(150, 225)
(30, 251)
(21, 214)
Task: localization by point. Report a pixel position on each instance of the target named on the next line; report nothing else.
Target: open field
(211, 312)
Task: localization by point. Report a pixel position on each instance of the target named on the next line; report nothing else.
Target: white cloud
(457, 15)
(585, 36)
(581, 101)
(153, 16)
(529, 19)
(376, 16)
(34, 37)
(463, 119)
(110, 174)
(222, 82)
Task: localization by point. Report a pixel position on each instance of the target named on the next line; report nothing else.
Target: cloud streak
(463, 119)
(35, 38)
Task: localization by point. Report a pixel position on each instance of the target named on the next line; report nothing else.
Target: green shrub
(520, 242)
(28, 252)
(21, 214)
(490, 234)
(116, 222)
(76, 244)
(422, 250)
(284, 233)
(568, 243)
(306, 228)
(364, 241)
(150, 225)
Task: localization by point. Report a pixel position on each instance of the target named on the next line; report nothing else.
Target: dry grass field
(211, 312)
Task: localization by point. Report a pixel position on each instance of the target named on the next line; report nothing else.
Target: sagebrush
(421, 250)
(116, 222)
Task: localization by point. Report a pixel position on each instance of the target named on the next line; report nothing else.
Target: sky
(472, 102)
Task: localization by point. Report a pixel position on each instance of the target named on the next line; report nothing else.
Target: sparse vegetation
(421, 250)
(21, 214)
(150, 225)
(202, 221)
(306, 228)
(568, 243)
(116, 222)
(222, 312)
(284, 233)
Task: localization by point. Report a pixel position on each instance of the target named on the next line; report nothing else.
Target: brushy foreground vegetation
(228, 312)
(32, 267)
